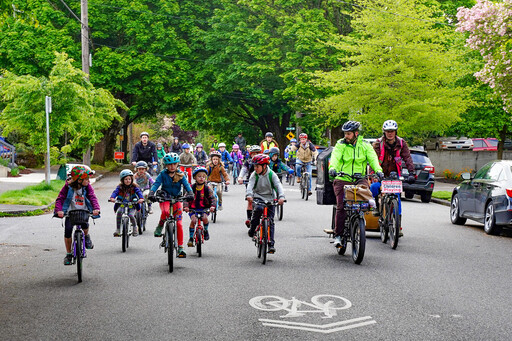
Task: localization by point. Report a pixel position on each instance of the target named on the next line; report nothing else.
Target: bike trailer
(324, 187)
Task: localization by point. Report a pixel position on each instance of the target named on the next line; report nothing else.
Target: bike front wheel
(124, 239)
(358, 236)
(169, 245)
(280, 212)
(306, 185)
(394, 223)
(199, 242)
(79, 244)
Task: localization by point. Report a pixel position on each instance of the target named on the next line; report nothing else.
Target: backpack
(270, 172)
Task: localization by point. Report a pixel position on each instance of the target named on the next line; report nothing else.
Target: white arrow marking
(320, 328)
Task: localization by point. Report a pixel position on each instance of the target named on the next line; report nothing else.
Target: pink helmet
(235, 146)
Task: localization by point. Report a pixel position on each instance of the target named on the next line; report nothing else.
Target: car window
(482, 172)
(493, 143)
(419, 158)
(478, 143)
(495, 172)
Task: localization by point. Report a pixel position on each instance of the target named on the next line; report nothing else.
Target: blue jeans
(298, 167)
(375, 189)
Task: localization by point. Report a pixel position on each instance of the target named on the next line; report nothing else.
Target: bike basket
(78, 217)
(357, 193)
(391, 186)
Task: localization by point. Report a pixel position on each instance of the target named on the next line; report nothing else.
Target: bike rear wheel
(199, 241)
(383, 224)
(79, 254)
(393, 223)
(169, 245)
(259, 242)
(358, 236)
(124, 239)
(264, 241)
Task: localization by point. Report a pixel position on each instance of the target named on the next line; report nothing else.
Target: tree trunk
(336, 134)
(501, 142)
(104, 150)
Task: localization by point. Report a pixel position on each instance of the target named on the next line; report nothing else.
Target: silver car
(448, 143)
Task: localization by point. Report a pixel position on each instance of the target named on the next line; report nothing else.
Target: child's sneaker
(117, 233)
(190, 242)
(135, 232)
(158, 231)
(68, 260)
(206, 235)
(88, 242)
(220, 207)
(181, 252)
(150, 210)
(248, 223)
(271, 249)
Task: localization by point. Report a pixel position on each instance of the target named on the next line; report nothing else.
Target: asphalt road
(444, 282)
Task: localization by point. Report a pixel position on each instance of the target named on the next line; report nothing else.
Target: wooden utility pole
(85, 58)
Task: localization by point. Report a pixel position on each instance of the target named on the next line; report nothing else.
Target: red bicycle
(199, 232)
(262, 235)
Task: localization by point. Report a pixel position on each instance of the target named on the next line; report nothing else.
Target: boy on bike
(268, 142)
(216, 171)
(144, 180)
(204, 200)
(77, 194)
(262, 185)
(306, 155)
(172, 181)
(187, 161)
(350, 155)
(200, 155)
(277, 165)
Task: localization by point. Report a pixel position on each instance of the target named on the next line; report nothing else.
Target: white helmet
(389, 125)
(222, 144)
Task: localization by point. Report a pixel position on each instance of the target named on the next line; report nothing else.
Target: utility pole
(85, 58)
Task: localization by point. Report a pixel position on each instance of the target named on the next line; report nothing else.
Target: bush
(15, 171)
(448, 174)
(22, 168)
(4, 162)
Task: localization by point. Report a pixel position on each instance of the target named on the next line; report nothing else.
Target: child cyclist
(246, 172)
(144, 181)
(77, 194)
(215, 170)
(262, 184)
(203, 200)
(226, 160)
(172, 181)
(277, 165)
(238, 158)
(187, 161)
(126, 191)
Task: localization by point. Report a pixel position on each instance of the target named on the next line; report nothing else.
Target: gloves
(290, 171)
(380, 175)
(332, 172)
(151, 196)
(411, 179)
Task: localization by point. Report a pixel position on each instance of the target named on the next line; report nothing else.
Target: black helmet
(351, 126)
(269, 134)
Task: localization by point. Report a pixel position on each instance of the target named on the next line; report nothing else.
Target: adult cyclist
(145, 150)
(350, 155)
(306, 155)
(392, 151)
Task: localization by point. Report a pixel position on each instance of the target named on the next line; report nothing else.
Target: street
(444, 282)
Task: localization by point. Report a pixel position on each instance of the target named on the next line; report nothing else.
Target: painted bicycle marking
(328, 305)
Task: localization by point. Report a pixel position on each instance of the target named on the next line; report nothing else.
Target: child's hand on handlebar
(249, 199)
(212, 209)
(141, 200)
(94, 212)
(60, 214)
(112, 199)
(281, 201)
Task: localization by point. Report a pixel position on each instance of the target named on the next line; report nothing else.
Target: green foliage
(15, 171)
(4, 162)
(36, 195)
(444, 195)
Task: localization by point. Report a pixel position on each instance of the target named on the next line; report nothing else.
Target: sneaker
(206, 235)
(88, 243)
(271, 249)
(337, 241)
(135, 231)
(248, 223)
(225, 190)
(68, 260)
(400, 235)
(181, 252)
(158, 231)
(250, 233)
(117, 233)
(190, 242)
(297, 180)
(220, 207)
(150, 210)
(310, 193)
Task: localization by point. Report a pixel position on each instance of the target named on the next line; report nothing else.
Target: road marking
(326, 304)
(335, 327)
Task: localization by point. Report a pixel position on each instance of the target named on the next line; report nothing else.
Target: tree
(401, 64)
(78, 108)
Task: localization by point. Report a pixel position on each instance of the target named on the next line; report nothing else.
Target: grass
(445, 195)
(37, 195)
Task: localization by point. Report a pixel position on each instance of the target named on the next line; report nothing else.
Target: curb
(441, 202)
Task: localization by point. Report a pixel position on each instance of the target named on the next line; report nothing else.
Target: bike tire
(264, 244)
(302, 189)
(214, 216)
(306, 185)
(358, 237)
(199, 242)
(124, 238)
(79, 253)
(169, 234)
(280, 212)
(383, 224)
(292, 180)
(259, 241)
(394, 224)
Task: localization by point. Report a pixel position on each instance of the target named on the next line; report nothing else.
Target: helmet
(171, 158)
(222, 144)
(124, 173)
(199, 145)
(269, 134)
(351, 126)
(185, 146)
(199, 169)
(235, 146)
(261, 159)
(266, 151)
(79, 172)
(141, 164)
(389, 125)
(273, 151)
(293, 140)
(255, 149)
(144, 133)
(303, 136)
(215, 153)
(159, 145)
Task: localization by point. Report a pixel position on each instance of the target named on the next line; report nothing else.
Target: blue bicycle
(214, 186)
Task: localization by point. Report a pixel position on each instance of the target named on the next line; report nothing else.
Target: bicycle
(355, 224)
(235, 171)
(262, 234)
(304, 182)
(170, 236)
(77, 218)
(214, 186)
(389, 221)
(125, 221)
(141, 217)
(199, 231)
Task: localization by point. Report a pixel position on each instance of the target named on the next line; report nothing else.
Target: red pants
(188, 171)
(178, 214)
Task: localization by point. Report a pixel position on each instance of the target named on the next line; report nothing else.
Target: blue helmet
(199, 169)
(124, 173)
(171, 158)
(273, 151)
(185, 146)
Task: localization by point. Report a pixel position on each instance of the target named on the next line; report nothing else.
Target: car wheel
(437, 146)
(490, 220)
(454, 211)
(425, 197)
(409, 195)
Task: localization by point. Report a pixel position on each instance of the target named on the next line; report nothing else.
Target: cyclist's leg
(165, 209)
(119, 215)
(309, 168)
(219, 193)
(131, 215)
(340, 210)
(271, 213)
(298, 165)
(68, 230)
(257, 211)
(191, 229)
(205, 226)
(178, 214)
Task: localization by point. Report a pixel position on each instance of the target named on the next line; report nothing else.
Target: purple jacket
(65, 196)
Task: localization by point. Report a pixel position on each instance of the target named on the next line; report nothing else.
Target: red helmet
(303, 136)
(261, 159)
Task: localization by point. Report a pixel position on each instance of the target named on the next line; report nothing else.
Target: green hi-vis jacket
(353, 158)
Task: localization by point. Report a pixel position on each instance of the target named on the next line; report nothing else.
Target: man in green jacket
(350, 155)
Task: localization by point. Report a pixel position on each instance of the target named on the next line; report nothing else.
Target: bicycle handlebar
(354, 177)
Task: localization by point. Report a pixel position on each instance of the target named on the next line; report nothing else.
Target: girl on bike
(172, 181)
(203, 200)
(77, 194)
(126, 191)
(238, 158)
(216, 171)
(277, 165)
(144, 181)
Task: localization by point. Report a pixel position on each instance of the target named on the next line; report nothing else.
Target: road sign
(290, 136)
(290, 128)
(118, 155)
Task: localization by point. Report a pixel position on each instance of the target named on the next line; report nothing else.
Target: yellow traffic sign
(290, 135)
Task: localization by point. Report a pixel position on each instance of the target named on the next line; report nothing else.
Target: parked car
(313, 167)
(424, 184)
(485, 197)
(480, 144)
(450, 143)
